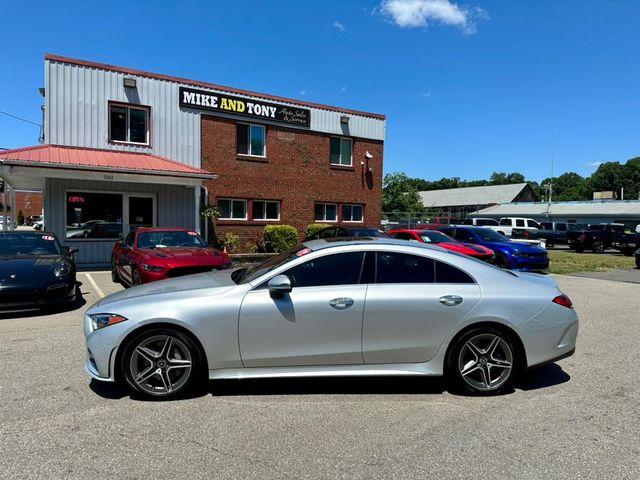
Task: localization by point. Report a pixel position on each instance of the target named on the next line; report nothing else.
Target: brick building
(129, 148)
(29, 203)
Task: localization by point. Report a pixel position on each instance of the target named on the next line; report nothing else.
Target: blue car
(508, 254)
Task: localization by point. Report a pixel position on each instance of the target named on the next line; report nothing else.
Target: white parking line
(94, 285)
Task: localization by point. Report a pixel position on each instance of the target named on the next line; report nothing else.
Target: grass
(571, 262)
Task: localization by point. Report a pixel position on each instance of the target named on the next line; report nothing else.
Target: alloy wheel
(485, 362)
(160, 365)
(135, 278)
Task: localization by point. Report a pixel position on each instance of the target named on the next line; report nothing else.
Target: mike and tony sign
(216, 102)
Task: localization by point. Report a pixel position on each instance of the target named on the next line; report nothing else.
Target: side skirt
(405, 369)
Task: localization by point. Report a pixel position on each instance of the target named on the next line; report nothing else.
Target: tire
(598, 247)
(628, 252)
(135, 278)
(502, 360)
(115, 276)
(502, 262)
(162, 363)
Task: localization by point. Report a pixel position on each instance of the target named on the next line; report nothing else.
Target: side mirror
(73, 251)
(122, 244)
(279, 284)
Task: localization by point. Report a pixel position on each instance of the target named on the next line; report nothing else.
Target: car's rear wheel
(161, 364)
(484, 361)
(598, 247)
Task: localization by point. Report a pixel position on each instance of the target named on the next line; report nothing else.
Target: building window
(352, 213)
(94, 215)
(265, 210)
(250, 140)
(129, 124)
(326, 212)
(232, 209)
(341, 151)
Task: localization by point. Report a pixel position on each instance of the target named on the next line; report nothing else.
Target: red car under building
(150, 254)
(434, 237)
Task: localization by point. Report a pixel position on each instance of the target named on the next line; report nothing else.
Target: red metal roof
(58, 156)
(170, 78)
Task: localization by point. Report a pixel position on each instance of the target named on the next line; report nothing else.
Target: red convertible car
(438, 238)
(150, 254)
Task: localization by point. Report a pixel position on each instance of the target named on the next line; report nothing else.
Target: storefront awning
(28, 167)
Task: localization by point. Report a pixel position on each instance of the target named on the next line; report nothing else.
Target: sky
(468, 88)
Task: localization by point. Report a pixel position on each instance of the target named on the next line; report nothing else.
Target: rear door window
(463, 235)
(505, 222)
(446, 273)
(519, 223)
(392, 267)
(561, 227)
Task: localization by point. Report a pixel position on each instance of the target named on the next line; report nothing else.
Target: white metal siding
(76, 113)
(175, 208)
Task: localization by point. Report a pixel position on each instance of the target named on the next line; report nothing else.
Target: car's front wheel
(161, 364)
(115, 276)
(598, 247)
(484, 361)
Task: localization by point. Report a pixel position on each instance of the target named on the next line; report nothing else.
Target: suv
(507, 224)
(481, 222)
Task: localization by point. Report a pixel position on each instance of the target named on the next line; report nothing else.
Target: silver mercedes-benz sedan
(364, 306)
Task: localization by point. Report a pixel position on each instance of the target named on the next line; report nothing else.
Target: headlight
(62, 269)
(101, 320)
(151, 268)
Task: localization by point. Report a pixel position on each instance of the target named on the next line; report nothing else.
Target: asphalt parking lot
(579, 418)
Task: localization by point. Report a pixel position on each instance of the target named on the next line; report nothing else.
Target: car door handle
(341, 303)
(450, 300)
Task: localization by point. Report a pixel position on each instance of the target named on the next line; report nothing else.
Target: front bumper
(21, 300)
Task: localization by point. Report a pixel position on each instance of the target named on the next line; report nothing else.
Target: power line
(21, 119)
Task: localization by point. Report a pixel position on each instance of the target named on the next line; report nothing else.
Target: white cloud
(302, 92)
(595, 164)
(426, 94)
(343, 89)
(421, 13)
(339, 26)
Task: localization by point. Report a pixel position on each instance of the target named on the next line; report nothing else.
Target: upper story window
(129, 124)
(341, 151)
(250, 140)
(232, 209)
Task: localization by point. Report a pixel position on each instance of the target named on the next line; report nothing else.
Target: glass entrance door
(141, 212)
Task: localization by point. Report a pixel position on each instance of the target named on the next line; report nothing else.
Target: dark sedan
(334, 232)
(35, 271)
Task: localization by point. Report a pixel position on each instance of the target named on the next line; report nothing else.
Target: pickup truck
(598, 238)
(554, 233)
(507, 224)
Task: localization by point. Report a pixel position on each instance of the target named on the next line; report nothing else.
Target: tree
(20, 218)
(400, 195)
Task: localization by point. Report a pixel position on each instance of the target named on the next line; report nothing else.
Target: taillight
(563, 300)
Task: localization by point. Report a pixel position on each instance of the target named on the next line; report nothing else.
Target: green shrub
(20, 218)
(314, 228)
(231, 242)
(280, 237)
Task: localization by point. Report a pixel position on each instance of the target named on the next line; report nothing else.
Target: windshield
(435, 237)
(14, 244)
(170, 239)
(487, 235)
(366, 232)
(249, 274)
